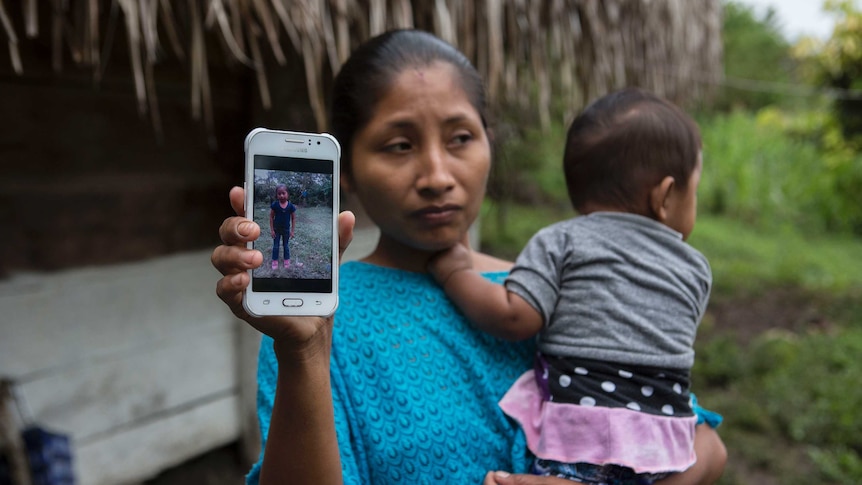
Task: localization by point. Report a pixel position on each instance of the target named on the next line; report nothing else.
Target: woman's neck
(391, 253)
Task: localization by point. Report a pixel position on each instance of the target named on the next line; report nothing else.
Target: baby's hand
(446, 263)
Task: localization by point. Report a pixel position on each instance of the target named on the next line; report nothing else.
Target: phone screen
(293, 205)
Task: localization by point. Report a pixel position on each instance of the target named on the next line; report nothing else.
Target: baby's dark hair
(370, 70)
(282, 186)
(622, 145)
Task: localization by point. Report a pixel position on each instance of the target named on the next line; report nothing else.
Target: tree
(837, 63)
(754, 49)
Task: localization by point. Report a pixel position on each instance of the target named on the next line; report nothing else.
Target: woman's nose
(435, 176)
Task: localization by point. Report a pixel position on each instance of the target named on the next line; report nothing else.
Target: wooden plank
(137, 362)
(140, 452)
(63, 319)
(101, 394)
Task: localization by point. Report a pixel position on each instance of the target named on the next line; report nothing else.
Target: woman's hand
(233, 260)
(505, 478)
(711, 459)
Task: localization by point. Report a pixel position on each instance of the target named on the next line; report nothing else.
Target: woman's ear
(346, 185)
(658, 198)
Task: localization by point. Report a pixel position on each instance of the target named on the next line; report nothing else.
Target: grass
(745, 259)
(310, 248)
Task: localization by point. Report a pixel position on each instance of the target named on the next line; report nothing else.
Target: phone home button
(292, 302)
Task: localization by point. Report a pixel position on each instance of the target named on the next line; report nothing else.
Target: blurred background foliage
(780, 218)
(304, 188)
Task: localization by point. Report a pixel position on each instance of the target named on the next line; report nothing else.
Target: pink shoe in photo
(275, 265)
(286, 263)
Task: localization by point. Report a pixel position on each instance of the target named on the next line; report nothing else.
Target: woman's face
(421, 163)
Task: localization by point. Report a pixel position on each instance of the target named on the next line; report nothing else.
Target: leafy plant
(754, 49)
(778, 168)
(837, 62)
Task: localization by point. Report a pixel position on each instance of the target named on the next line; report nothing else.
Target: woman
(397, 387)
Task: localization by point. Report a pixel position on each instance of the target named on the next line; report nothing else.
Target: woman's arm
(302, 443)
(711, 458)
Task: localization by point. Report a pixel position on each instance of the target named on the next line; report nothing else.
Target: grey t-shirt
(616, 287)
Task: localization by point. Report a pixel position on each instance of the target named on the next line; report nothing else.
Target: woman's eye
(397, 147)
(461, 138)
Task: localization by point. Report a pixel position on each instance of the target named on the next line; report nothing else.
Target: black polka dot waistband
(651, 390)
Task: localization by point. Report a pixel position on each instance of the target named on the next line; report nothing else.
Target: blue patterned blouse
(415, 386)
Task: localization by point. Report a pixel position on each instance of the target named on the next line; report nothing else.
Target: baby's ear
(658, 198)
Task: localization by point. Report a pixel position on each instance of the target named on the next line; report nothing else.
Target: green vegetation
(777, 168)
(837, 63)
(751, 44)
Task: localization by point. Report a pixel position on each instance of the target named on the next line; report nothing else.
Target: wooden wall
(137, 362)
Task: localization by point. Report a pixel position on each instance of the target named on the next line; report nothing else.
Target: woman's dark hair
(625, 143)
(364, 79)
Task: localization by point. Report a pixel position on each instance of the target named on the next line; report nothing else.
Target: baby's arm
(292, 222)
(488, 305)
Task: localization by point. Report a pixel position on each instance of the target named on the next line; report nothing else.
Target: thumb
(506, 478)
(499, 478)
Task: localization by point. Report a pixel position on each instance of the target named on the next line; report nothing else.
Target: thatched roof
(529, 51)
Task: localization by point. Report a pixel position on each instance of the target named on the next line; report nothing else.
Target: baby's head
(281, 192)
(632, 151)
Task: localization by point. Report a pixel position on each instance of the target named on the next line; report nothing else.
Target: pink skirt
(573, 433)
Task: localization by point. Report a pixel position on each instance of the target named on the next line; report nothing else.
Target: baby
(615, 296)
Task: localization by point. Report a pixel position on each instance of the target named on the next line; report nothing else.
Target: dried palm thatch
(529, 51)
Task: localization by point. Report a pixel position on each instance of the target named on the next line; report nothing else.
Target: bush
(774, 170)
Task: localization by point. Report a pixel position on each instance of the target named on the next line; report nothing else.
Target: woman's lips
(442, 214)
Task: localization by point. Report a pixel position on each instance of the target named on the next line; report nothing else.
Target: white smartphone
(291, 192)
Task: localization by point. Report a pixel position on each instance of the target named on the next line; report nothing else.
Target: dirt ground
(222, 466)
(779, 308)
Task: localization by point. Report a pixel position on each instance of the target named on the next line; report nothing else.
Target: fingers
(238, 231)
(505, 478)
(346, 224)
(237, 200)
(450, 261)
(230, 260)
(230, 289)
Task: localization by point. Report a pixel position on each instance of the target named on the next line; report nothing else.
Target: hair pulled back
(625, 143)
(369, 72)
